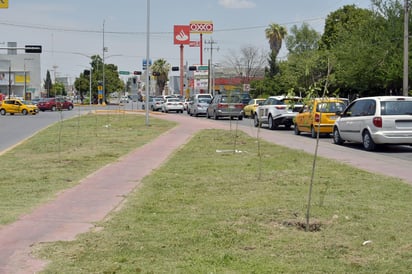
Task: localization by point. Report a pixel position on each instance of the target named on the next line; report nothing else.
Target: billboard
(201, 26)
(181, 35)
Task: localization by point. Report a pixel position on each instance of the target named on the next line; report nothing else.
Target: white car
(375, 120)
(277, 110)
(172, 104)
(124, 99)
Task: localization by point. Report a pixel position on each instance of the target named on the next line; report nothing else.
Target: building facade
(19, 73)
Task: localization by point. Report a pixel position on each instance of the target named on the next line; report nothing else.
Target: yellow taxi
(250, 109)
(318, 115)
(13, 106)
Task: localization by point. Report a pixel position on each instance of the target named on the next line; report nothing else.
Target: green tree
(275, 34)
(160, 69)
(112, 80)
(303, 65)
(48, 83)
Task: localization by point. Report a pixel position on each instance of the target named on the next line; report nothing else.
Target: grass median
(228, 203)
(60, 156)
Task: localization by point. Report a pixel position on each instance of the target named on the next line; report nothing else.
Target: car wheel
(240, 118)
(3, 112)
(313, 132)
(252, 115)
(256, 122)
(336, 137)
(215, 116)
(152, 108)
(271, 123)
(296, 129)
(70, 107)
(53, 108)
(367, 141)
(24, 112)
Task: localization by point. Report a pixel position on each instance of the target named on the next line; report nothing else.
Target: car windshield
(396, 107)
(330, 107)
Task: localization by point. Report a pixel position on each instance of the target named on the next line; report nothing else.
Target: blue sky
(71, 30)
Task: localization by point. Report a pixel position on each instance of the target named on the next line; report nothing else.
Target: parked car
(375, 120)
(54, 104)
(250, 109)
(199, 106)
(172, 104)
(223, 105)
(318, 115)
(277, 110)
(13, 106)
(245, 98)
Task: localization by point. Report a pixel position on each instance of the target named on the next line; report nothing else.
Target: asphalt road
(14, 129)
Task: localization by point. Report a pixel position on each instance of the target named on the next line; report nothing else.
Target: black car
(245, 98)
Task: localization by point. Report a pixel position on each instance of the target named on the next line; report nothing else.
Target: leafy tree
(48, 83)
(302, 39)
(112, 81)
(344, 20)
(160, 69)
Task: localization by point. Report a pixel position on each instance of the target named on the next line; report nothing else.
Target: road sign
(202, 68)
(32, 48)
(4, 4)
(123, 72)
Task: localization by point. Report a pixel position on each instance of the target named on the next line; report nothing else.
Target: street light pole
(104, 84)
(147, 60)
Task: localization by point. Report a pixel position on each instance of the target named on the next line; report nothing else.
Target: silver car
(375, 120)
(199, 106)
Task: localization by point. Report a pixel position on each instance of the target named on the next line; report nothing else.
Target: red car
(54, 104)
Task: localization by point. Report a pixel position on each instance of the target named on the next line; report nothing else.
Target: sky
(72, 31)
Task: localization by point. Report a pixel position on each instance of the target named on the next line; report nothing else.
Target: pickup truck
(277, 110)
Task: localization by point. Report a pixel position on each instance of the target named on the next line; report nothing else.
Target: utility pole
(406, 50)
(211, 78)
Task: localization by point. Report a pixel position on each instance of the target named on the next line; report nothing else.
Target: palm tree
(160, 69)
(275, 33)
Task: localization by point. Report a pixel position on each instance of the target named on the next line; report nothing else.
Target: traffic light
(175, 68)
(192, 68)
(137, 72)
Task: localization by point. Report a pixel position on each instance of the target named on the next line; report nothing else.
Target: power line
(66, 29)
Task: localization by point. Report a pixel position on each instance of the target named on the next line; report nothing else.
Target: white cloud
(237, 4)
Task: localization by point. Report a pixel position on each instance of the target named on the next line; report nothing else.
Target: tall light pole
(147, 60)
(406, 50)
(104, 84)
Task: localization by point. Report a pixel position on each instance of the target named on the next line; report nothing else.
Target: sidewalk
(75, 210)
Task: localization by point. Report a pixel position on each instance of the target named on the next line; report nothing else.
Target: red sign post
(181, 37)
(201, 27)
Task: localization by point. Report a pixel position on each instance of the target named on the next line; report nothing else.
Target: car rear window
(230, 99)
(396, 108)
(331, 107)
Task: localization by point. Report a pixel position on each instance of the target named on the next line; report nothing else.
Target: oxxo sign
(201, 27)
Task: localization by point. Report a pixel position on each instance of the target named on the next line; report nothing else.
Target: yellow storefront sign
(4, 4)
(20, 78)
